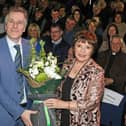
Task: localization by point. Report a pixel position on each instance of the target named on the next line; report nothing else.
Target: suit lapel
(6, 50)
(7, 61)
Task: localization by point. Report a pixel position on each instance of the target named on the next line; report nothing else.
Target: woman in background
(81, 90)
(34, 32)
(111, 30)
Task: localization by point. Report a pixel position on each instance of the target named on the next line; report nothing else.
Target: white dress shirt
(13, 52)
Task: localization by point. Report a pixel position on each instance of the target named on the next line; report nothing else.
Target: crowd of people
(89, 39)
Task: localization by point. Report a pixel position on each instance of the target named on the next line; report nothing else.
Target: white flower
(46, 63)
(39, 64)
(50, 71)
(31, 65)
(56, 76)
(33, 76)
(35, 71)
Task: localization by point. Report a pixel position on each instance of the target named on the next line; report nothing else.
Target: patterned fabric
(18, 64)
(87, 90)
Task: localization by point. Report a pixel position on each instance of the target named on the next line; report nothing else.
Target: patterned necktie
(18, 65)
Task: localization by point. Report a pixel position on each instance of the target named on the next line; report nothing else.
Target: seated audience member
(41, 20)
(113, 61)
(63, 14)
(70, 30)
(110, 60)
(111, 30)
(2, 19)
(34, 32)
(79, 18)
(55, 18)
(118, 20)
(92, 26)
(56, 44)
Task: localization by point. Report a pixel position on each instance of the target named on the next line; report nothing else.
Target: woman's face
(92, 27)
(118, 19)
(112, 31)
(33, 32)
(83, 51)
(77, 15)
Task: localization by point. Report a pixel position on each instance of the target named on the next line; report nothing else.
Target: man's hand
(25, 116)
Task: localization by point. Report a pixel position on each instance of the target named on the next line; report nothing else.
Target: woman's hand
(56, 103)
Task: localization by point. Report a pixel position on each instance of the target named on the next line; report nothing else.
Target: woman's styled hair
(36, 26)
(88, 36)
(112, 25)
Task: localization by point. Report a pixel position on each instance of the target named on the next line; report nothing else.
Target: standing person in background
(82, 88)
(13, 86)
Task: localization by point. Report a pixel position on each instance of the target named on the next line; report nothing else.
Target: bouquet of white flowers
(43, 75)
(42, 70)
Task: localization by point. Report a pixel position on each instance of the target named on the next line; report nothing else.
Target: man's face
(55, 15)
(70, 24)
(116, 44)
(15, 25)
(118, 19)
(56, 33)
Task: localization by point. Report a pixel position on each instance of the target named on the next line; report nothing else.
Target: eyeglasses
(12, 22)
(54, 32)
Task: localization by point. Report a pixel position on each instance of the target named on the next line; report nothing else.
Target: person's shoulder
(64, 43)
(96, 67)
(25, 41)
(46, 38)
(2, 39)
(103, 53)
(68, 62)
(122, 55)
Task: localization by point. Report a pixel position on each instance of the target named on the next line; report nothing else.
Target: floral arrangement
(42, 69)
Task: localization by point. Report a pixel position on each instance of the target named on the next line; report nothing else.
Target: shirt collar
(114, 53)
(12, 43)
(56, 42)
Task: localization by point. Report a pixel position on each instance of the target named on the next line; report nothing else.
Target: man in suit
(113, 61)
(13, 109)
(56, 44)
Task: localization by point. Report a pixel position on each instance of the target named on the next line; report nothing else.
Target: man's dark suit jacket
(117, 70)
(60, 50)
